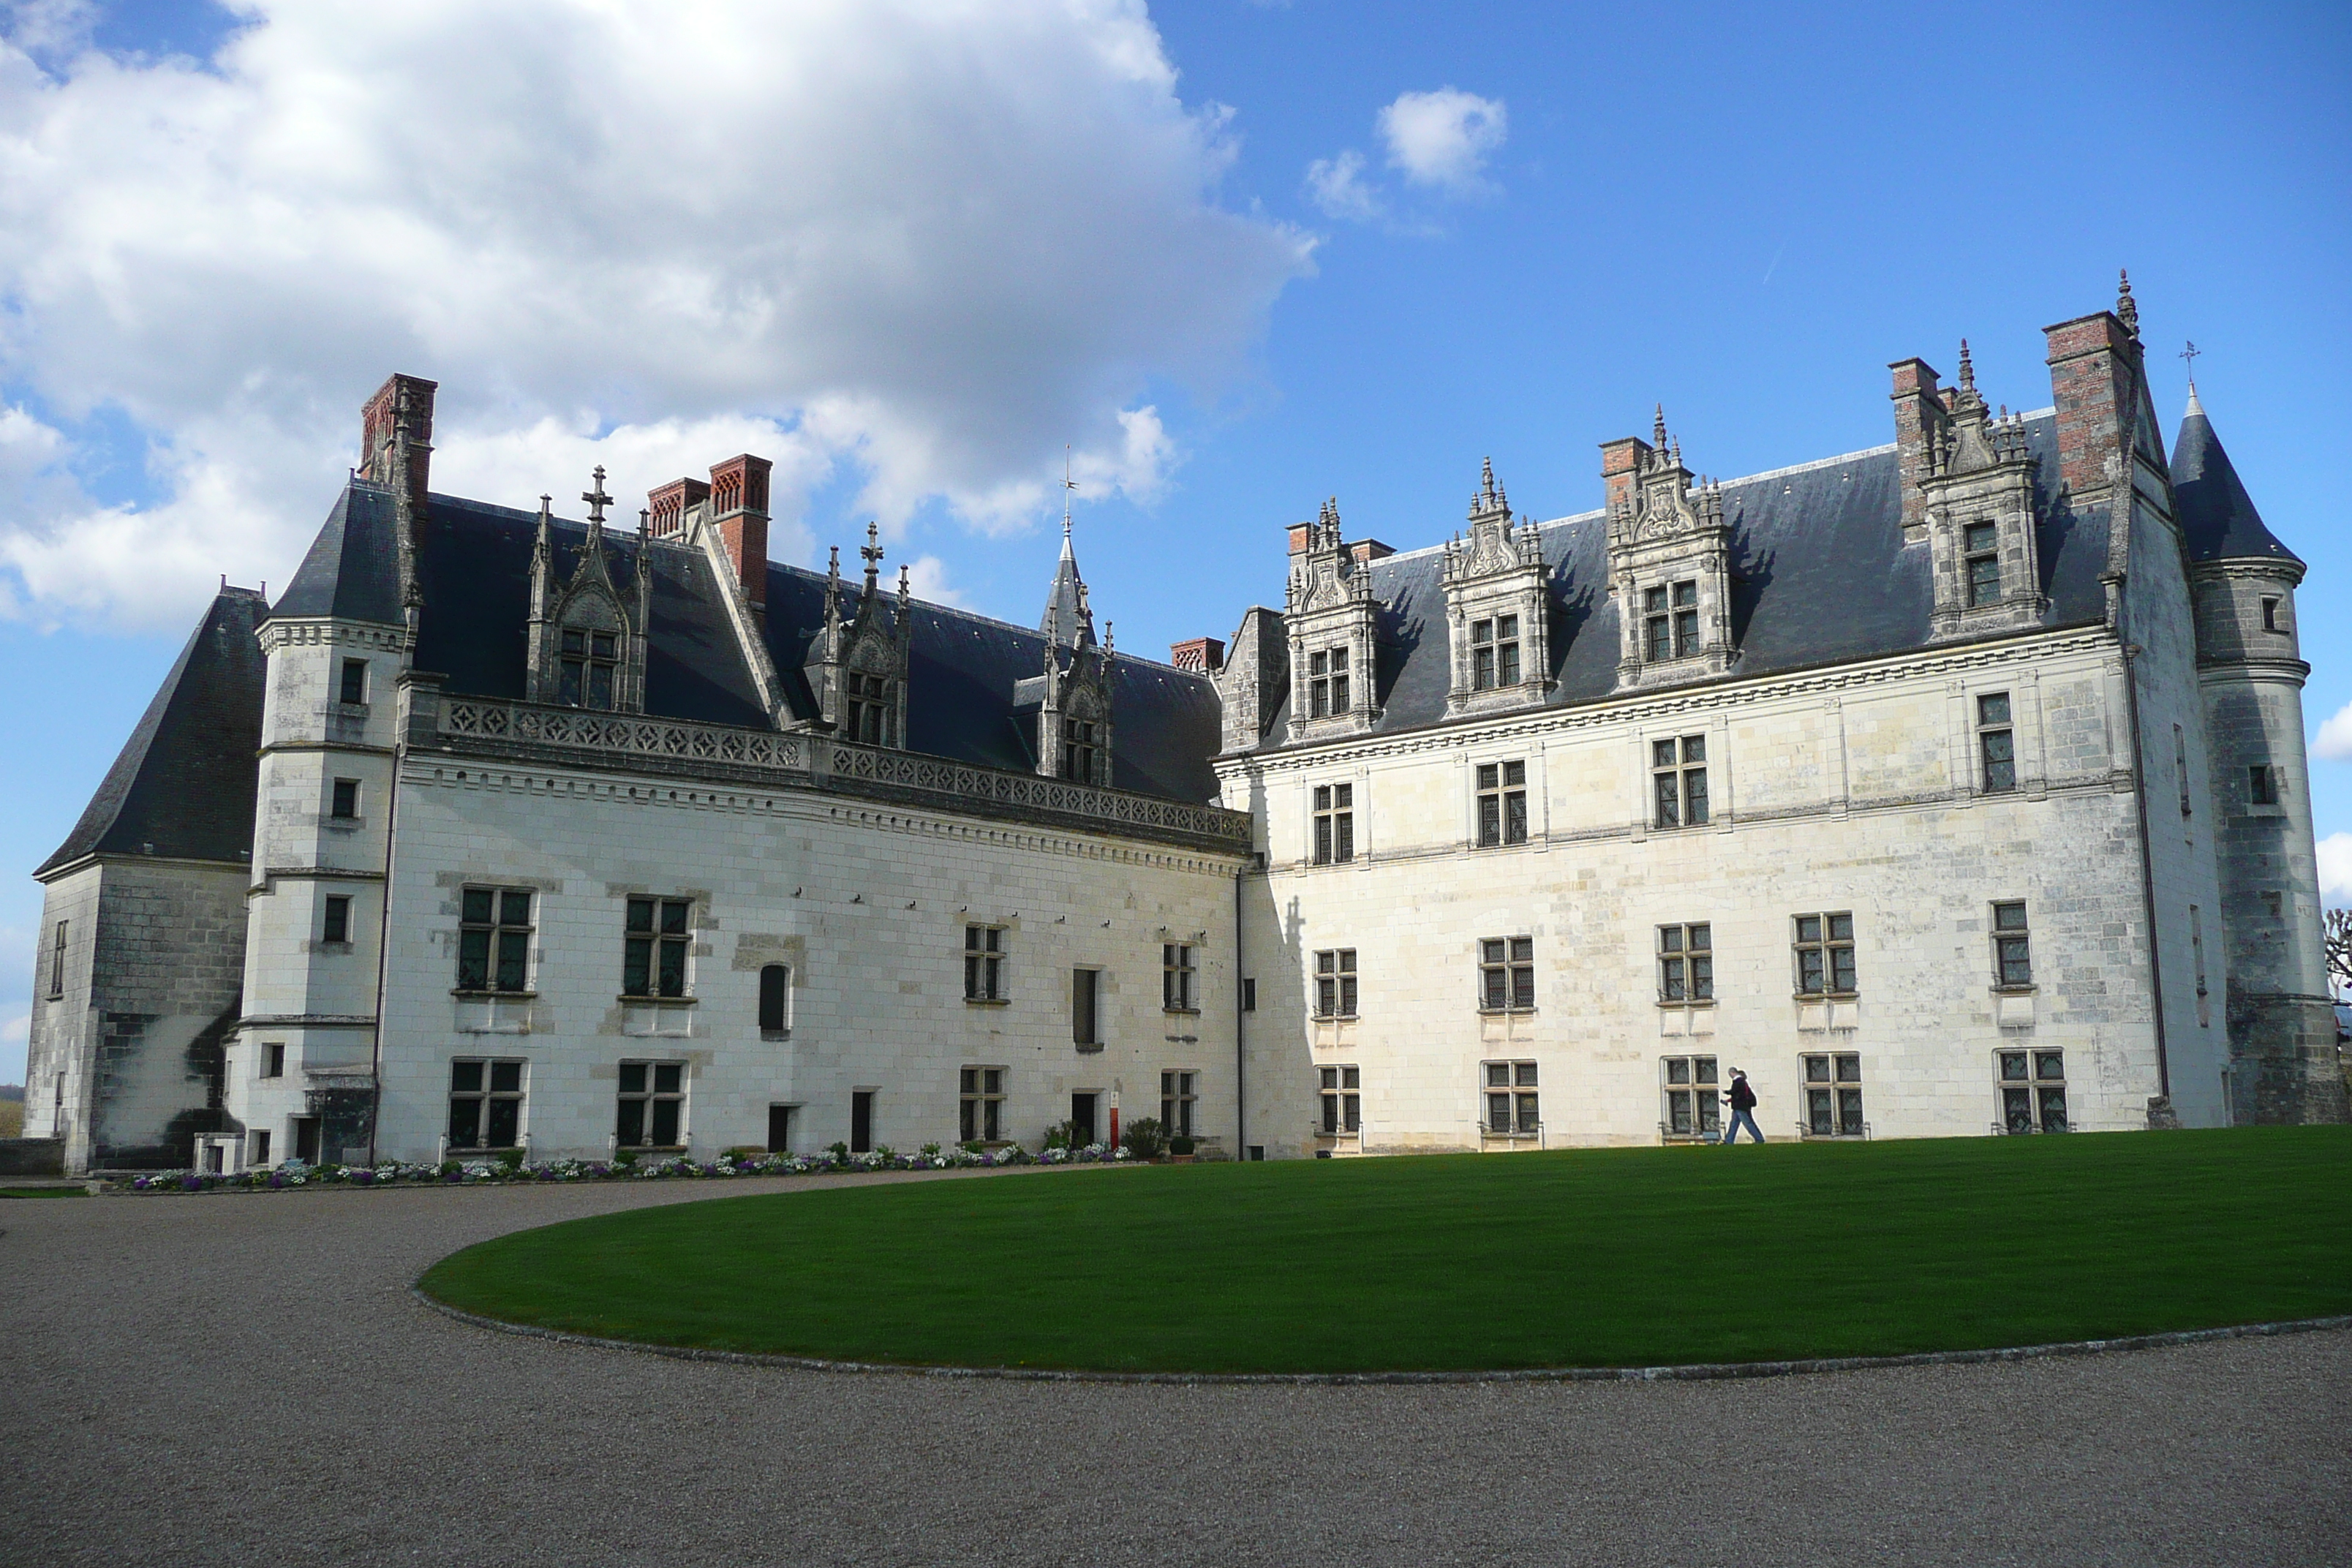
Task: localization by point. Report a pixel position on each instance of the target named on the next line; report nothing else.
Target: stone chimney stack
(738, 509)
(1919, 413)
(402, 406)
(1619, 458)
(667, 508)
(2094, 370)
(1201, 656)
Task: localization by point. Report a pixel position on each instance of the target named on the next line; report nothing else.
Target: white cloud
(927, 578)
(2334, 741)
(929, 240)
(1443, 138)
(1336, 184)
(2336, 869)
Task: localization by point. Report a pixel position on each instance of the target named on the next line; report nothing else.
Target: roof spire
(1068, 486)
(2127, 308)
(872, 550)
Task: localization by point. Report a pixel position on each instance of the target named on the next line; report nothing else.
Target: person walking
(1743, 1108)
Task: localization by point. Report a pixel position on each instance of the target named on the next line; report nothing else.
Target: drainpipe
(384, 929)
(1240, 1056)
(2147, 866)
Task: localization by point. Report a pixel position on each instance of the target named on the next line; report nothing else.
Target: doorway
(861, 1121)
(1082, 1118)
(780, 1129)
(306, 1140)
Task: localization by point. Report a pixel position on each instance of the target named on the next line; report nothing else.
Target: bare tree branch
(2339, 952)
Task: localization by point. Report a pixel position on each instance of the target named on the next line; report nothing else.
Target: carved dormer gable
(856, 664)
(587, 639)
(1976, 486)
(1669, 564)
(1498, 608)
(1073, 690)
(1334, 623)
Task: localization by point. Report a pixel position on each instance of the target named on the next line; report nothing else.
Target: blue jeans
(1742, 1117)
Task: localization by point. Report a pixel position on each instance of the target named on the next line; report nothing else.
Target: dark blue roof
(352, 572)
(2217, 517)
(1820, 574)
(183, 784)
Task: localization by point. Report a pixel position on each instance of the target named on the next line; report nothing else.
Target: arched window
(775, 992)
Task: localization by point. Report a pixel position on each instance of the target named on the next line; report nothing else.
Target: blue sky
(1240, 256)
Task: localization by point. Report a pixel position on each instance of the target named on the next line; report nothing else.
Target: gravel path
(245, 1381)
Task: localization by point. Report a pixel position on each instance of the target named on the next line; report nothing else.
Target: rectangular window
(257, 1147)
(484, 1104)
(273, 1059)
(346, 799)
(1981, 544)
(1086, 993)
(2181, 765)
(1678, 781)
(1686, 964)
(1335, 984)
(1335, 824)
(1502, 804)
(1693, 1100)
(869, 714)
(1670, 622)
(1343, 1105)
(775, 1000)
(336, 924)
(585, 676)
(653, 1105)
(653, 956)
(1078, 750)
(861, 1121)
(1833, 1095)
(2012, 950)
(2034, 1092)
(1178, 1092)
(1494, 653)
(1327, 682)
(494, 940)
(1825, 955)
(1506, 974)
(1995, 742)
(1685, 619)
(57, 963)
(983, 964)
(354, 687)
(981, 1096)
(1512, 1109)
(2270, 615)
(1178, 977)
(2196, 947)
(2261, 784)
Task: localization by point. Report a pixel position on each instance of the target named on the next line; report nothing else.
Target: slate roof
(1820, 575)
(184, 781)
(2217, 517)
(473, 565)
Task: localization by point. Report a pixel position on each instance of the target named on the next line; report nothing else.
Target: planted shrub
(1180, 1144)
(1143, 1138)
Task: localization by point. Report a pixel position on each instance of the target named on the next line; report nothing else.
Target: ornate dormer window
(1498, 607)
(1669, 564)
(1073, 690)
(1976, 489)
(1334, 625)
(587, 640)
(856, 664)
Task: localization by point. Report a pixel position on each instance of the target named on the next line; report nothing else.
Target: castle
(1952, 787)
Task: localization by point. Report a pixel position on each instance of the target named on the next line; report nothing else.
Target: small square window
(346, 799)
(336, 925)
(354, 681)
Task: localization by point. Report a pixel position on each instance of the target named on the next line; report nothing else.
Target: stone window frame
(1831, 1083)
(584, 654)
(2271, 615)
(782, 1013)
(2263, 782)
(1329, 679)
(351, 690)
(1085, 1020)
(1822, 942)
(500, 939)
(980, 1102)
(1996, 732)
(1515, 1082)
(1494, 651)
(486, 1100)
(662, 1088)
(1080, 750)
(270, 1062)
(2181, 771)
(1670, 621)
(344, 801)
(1506, 969)
(1981, 548)
(1332, 838)
(1340, 1091)
(1686, 964)
(1180, 1095)
(2011, 937)
(649, 950)
(335, 921)
(1679, 796)
(1700, 1088)
(1335, 984)
(984, 955)
(1499, 788)
(1180, 977)
(2021, 1078)
(869, 708)
(58, 962)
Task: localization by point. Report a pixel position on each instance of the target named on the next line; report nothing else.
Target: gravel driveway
(244, 1380)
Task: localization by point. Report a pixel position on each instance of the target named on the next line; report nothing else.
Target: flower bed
(835, 1160)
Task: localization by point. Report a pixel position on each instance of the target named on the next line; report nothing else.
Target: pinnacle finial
(1968, 368)
(1069, 485)
(595, 497)
(872, 552)
(1658, 428)
(2127, 308)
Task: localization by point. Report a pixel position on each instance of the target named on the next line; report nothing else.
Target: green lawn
(1592, 1257)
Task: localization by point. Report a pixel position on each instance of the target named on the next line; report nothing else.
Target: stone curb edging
(1697, 1372)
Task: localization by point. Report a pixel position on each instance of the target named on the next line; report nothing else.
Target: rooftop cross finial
(2127, 308)
(595, 497)
(872, 550)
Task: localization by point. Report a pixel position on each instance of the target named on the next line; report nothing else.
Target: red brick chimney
(1618, 458)
(2094, 369)
(403, 403)
(1918, 409)
(666, 507)
(1203, 655)
(738, 509)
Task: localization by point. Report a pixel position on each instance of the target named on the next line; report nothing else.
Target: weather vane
(1069, 485)
(2189, 354)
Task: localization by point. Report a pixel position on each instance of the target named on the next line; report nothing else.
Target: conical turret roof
(2217, 516)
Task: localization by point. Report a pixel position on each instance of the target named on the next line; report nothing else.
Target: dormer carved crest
(1669, 564)
(1332, 616)
(1499, 607)
(586, 639)
(858, 662)
(1976, 513)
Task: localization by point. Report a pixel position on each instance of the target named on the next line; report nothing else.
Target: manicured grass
(44, 1192)
(1592, 1258)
